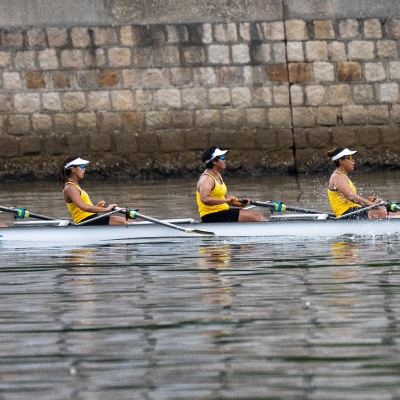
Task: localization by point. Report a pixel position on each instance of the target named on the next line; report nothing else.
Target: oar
(97, 217)
(271, 204)
(381, 203)
(308, 211)
(133, 214)
(22, 213)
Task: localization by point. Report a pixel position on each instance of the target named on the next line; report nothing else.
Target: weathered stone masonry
(344, 88)
(146, 100)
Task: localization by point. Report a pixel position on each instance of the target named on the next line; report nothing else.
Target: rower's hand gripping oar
(131, 213)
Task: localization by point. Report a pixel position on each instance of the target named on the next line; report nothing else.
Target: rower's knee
(377, 213)
(115, 220)
(251, 216)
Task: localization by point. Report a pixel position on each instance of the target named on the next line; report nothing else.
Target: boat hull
(135, 232)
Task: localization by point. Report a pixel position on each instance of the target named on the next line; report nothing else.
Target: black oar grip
(243, 201)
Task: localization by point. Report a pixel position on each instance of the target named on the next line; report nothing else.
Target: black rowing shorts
(360, 215)
(231, 215)
(101, 221)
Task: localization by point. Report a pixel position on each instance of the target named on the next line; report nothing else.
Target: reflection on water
(197, 319)
(345, 252)
(278, 320)
(215, 286)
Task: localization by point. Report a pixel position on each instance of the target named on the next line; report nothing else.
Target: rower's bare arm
(72, 194)
(341, 184)
(206, 185)
(231, 200)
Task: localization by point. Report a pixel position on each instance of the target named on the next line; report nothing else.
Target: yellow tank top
(218, 192)
(339, 203)
(77, 214)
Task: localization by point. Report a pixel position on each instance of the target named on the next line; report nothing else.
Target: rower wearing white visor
(211, 194)
(342, 193)
(78, 202)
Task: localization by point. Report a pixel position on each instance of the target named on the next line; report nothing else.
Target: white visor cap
(345, 152)
(217, 152)
(77, 161)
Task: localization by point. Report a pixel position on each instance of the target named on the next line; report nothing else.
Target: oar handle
(243, 201)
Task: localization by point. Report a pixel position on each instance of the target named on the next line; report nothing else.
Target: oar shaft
(102, 215)
(289, 208)
(14, 210)
(157, 221)
(307, 211)
(169, 225)
(43, 217)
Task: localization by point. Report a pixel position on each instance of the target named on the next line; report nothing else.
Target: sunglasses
(350, 157)
(83, 166)
(221, 158)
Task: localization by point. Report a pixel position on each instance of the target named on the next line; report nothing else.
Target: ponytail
(63, 173)
(333, 153)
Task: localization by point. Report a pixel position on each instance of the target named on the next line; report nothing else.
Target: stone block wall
(146, 100)
(344, 88)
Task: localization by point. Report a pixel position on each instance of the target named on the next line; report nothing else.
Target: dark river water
(299, 319)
